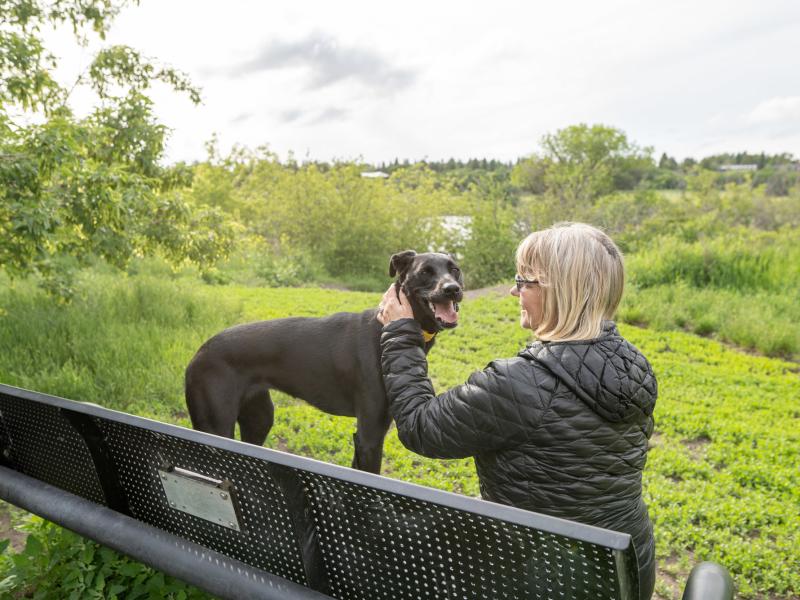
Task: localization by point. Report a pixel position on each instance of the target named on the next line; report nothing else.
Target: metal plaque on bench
(201, 496)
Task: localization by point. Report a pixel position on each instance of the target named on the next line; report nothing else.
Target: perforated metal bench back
(349, 534)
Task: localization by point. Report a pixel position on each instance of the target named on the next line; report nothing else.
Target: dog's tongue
(446, 311)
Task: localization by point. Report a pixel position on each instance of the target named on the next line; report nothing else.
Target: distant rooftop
(747, 167)
(374, 174)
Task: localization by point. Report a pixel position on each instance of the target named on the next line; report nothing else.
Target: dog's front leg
(367, 457)
(368, 441)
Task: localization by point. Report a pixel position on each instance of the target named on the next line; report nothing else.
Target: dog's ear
(400, 262)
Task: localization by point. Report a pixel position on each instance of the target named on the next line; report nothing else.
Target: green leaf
(8, 583)
(33, 546)
(131, 569)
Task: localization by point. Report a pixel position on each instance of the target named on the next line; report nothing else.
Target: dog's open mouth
(445, 311)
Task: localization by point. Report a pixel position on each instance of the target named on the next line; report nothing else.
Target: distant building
(374, 175)
(748, 167)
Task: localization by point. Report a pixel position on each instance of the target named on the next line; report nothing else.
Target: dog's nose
(451, 288)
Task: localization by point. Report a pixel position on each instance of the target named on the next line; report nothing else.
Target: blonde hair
(581, 274)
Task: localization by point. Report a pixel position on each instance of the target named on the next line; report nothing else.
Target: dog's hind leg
(368, 440)
(213, 396)
(256, 416)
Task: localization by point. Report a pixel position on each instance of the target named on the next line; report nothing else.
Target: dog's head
(434, 286)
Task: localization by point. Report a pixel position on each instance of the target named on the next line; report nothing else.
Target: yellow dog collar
(427, 336)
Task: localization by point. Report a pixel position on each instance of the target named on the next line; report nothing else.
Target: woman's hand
(391, 308)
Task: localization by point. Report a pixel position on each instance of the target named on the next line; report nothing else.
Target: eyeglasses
(523, 282)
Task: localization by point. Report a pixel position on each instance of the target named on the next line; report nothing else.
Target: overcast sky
(379, 80)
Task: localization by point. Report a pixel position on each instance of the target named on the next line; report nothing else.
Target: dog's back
(319, 360)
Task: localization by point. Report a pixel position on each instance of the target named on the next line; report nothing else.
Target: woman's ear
(400, 262)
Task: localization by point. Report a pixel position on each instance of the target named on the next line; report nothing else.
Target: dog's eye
(455, 270)
(427, 271)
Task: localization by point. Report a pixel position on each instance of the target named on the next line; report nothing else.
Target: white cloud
(347, 79)
(328, 61)
(776, 110)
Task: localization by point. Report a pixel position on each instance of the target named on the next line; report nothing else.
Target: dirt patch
(669, 588)
(9, 517)
(279, 443)
(671, 575)
(697, 446)
(655, 440)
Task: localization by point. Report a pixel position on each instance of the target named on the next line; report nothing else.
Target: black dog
(333, 362)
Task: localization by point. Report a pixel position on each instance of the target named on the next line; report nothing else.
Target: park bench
(240, 521)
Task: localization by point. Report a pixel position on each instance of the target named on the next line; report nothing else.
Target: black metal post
(211, 571)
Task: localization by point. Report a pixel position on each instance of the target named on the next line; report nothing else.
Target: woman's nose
(514, 291)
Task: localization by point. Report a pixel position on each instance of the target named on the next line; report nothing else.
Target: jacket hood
(607, 373)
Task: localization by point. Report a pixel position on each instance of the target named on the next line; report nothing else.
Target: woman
(560, 429)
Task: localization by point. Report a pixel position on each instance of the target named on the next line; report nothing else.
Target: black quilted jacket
(560, 429)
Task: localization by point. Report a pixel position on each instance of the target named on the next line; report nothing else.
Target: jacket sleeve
(479, 416)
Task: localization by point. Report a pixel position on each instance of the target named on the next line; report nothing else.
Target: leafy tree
(778, 181)
(347, 224)
(587, 162)
(629, 171)
(529, 174)
(93, 186)
(494, 234)
(663, 179)
(667, 162)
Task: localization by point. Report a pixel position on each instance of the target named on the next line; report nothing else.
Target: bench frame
(113, 525)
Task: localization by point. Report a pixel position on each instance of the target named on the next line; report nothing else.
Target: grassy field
(722, 481)
(741, 287)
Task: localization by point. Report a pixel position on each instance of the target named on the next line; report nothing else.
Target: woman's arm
(479, 416)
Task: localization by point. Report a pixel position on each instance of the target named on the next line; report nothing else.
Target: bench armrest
(709, 581)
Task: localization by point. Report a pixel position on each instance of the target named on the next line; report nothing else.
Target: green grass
(742, 287)
(760, 321)
(722, 480)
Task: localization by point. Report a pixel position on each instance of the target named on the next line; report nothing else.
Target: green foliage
(90, 187)
(570, 155)
(323, 222)
(580, 163)
(529, 174)
(664, 179)
(57, 564)
(762, 321)
(26, 65)
(160, 321)
(285, 271)
(777, 181)
(761, 160)
(124, 66)
(347, 224)
(488, 254)
(721, 480)
(777, 174)
(715, 262)
(740, 259)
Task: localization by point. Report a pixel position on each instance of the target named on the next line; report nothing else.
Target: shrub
(489, 250)
(58, 564)
(741, 259)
